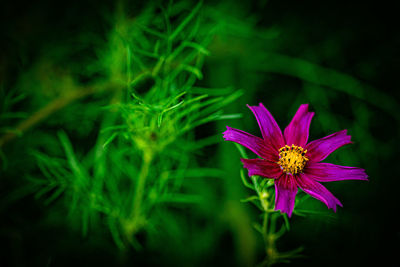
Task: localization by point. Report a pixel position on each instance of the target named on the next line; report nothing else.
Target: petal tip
(323, 147)
(260, 105)
(304, 106)
(289, 213)
(337, 203)
(227, 134)
(283, 210)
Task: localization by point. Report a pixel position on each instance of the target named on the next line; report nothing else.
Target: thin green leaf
(242, 152)
(115, 233)
(244, 180)
(181, 198)
(185, 21)
(55, 195)
(76, 168)
(286, 220)
(230, 116)
(249, 199)
(110, 139)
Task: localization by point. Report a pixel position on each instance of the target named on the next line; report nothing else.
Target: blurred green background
(61, 58)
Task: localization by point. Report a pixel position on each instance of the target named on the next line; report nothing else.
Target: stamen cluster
(292, 159)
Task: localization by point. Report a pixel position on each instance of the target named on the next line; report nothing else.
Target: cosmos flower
(291, 161)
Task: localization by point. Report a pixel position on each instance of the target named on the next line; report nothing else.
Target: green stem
(134, 218)
(268, 225)
(265, 226)
(128, 70)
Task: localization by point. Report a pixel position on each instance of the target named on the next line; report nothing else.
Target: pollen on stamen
(292, 159)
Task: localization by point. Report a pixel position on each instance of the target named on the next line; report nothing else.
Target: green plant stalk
(135, 221)
(265, 226)
(268, 234)
(46, 111)
(268, 228)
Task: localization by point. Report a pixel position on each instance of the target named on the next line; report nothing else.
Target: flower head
(291, 161)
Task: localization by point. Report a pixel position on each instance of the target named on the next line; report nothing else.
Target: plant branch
(45, 112)
(134, 221)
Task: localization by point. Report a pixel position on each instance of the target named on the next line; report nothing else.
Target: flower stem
(268, 224)
(265, 226)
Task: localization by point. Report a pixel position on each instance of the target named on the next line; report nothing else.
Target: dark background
(359, 40)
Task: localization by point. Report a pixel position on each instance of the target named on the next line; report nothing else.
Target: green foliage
(145, 145)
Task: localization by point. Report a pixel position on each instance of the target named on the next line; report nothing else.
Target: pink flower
(293, 162)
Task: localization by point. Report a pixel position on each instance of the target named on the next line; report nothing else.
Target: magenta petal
(254, 143)
(285, 193)
(268, 126)
(296, 133)
(262, 167)
(327, 172)
(318, 191)
(321, 148)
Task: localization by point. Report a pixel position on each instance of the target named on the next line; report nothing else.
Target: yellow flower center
(292, 159)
